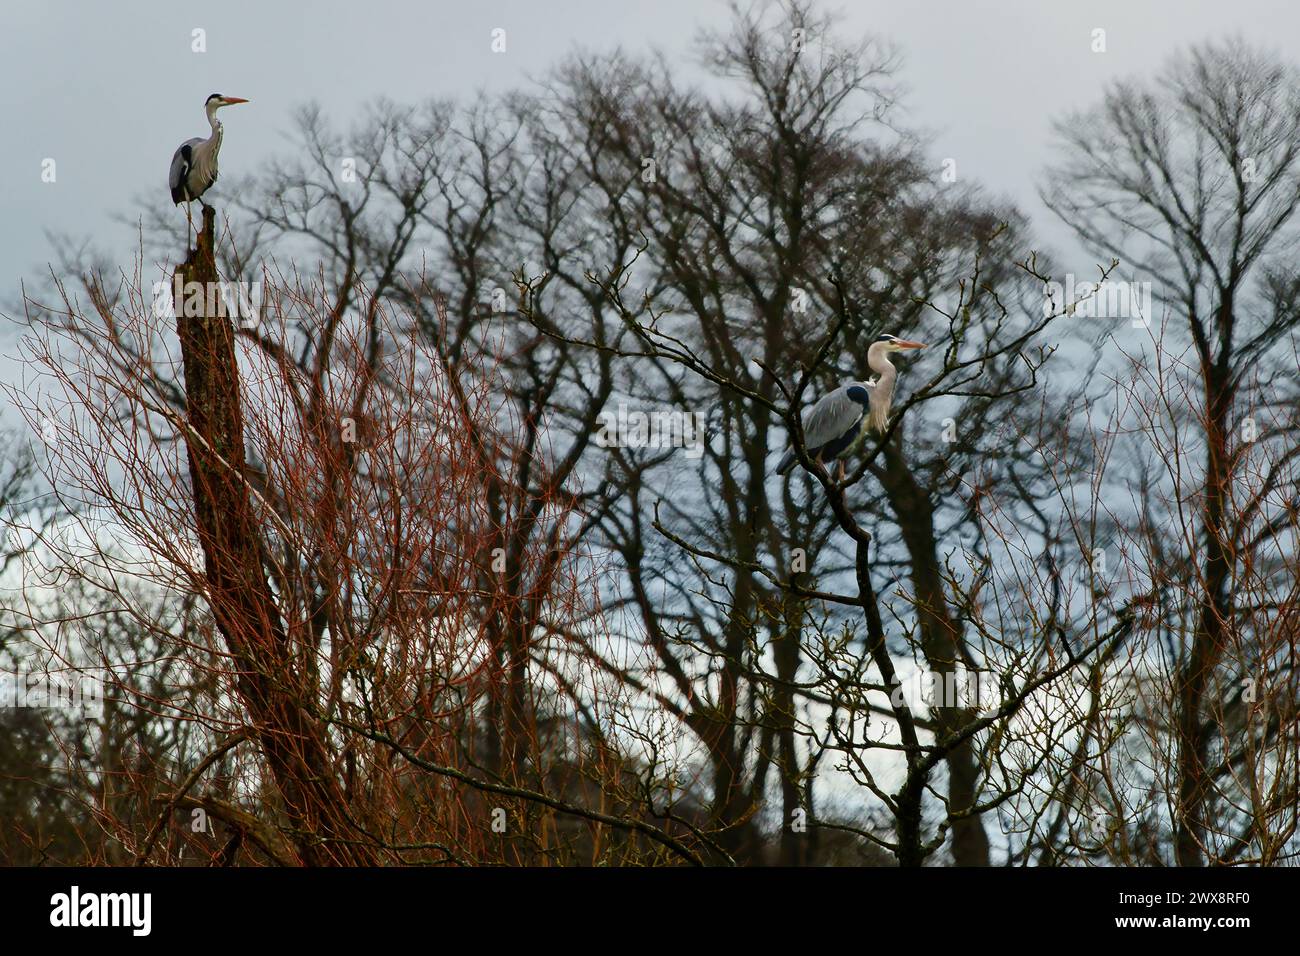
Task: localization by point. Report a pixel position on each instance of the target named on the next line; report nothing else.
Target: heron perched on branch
(840, 419)
(194, 167)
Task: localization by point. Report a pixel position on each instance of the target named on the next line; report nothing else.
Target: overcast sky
(108, 90)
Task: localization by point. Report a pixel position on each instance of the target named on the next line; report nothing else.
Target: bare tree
(1194, 181)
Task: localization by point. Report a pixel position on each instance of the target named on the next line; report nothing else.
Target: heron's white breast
(203, 163)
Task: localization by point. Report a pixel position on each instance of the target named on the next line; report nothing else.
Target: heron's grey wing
(833, 415)
(180, 169)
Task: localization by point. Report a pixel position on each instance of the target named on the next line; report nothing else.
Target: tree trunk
(1211, 630)
(240, 597)
(941, 641)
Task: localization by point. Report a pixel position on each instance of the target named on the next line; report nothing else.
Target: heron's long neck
(215, 138)
(883, 394)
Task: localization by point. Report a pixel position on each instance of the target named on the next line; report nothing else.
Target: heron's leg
(842, 475)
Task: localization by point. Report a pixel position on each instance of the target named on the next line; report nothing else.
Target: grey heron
(840, 419)
(194, 167)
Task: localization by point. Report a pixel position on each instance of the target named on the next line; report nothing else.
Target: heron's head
(216, 101)
(892, 343)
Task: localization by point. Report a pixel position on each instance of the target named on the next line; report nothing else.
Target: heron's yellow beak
(902, 344)
(232, 100)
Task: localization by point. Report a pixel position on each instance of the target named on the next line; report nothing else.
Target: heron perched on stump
(194, 167)
(840, 419)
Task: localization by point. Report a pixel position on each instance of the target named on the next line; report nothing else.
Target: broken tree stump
(242, 602)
